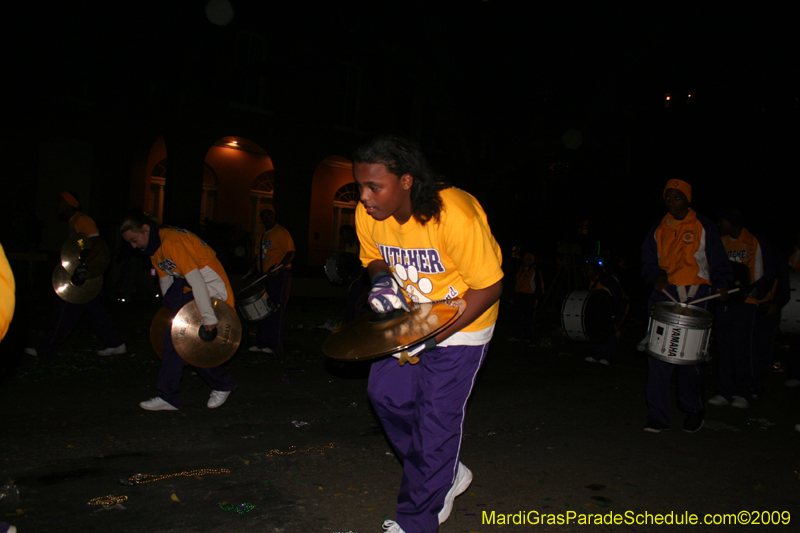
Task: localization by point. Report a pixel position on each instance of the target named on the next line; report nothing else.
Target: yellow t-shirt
(82, 223)
(7, 298)
(273, 246)
(438, 260)
(181, 252)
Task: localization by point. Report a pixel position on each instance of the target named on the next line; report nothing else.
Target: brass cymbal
(188, 341)
(161, 322)
(75, 294)
(78, 244)
(361, 339)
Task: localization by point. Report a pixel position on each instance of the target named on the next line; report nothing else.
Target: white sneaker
(789, 382)
(797, 427)
(31, 351)
(217, 398)
(590, 359)
(604, 362)
(390, 526)
(157, 404)
(740, 402)
(119, 350)
(463, 479)
(255, 348)
(718, 400)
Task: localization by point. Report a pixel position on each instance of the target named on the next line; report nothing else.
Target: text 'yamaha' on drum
(679, 333)
(343, 268)
(588, 316)
(790, 314)
(253, 302)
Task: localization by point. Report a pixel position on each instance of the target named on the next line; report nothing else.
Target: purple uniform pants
(65, 316)
(421, 408)
(659, 376)
(171, 371)
(737, 357)
(270, 330)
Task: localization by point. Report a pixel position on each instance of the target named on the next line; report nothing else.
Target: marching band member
(7, 293)
(682, 254)
(793, 358)
(188, 269)
(422, 240)
(528, 293)
(65, 315)
(738, 359)
(600, 279)
(274, 253)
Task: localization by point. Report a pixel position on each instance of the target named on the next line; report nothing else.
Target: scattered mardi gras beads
(149, 478)
(107, 501)
(241, 508)
(292, 449)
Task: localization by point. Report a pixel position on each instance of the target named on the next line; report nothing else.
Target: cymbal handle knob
(207, 336)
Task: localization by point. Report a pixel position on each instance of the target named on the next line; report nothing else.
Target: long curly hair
(402, 156)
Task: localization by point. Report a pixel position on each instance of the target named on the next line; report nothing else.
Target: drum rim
(659, 310)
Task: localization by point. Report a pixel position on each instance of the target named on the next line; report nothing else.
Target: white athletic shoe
(604, 362)
(31, 351)
(157, 404)
(740, 402)
(217, 398)
(463, 479)
(718, 400)
(590, 359)
(788, 383)
(255, 348)
(390, 526)
(119, 350)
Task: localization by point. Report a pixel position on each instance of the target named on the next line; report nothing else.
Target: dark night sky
(511, 79)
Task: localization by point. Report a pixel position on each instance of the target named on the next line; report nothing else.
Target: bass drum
(343, 268)
(587, 316)
(790, 314)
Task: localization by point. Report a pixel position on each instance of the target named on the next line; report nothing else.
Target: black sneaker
(654, 426)
(693, 422)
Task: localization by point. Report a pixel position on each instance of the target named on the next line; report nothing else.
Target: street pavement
(297, 448)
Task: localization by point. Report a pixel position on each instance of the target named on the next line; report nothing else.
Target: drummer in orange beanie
(683, 255)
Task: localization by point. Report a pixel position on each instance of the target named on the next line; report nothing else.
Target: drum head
(343, 268)
(588, 315)
(251, 292)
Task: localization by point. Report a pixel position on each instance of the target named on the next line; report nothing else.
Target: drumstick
(670, 296)
(711, 297)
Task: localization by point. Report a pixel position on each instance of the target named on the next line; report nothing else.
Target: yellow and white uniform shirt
(7, 294)
(439, 260)
(182, 252)
(746, 250)
(273, 247)
(82, 223)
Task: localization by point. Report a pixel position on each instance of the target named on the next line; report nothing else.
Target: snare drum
(343, 268)
(254, 303)
(587, 316)
(790, 314)
(679, 334)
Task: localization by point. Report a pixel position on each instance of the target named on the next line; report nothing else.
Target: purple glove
(386, 295)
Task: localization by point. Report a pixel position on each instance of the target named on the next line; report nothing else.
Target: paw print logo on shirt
(418, 288)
